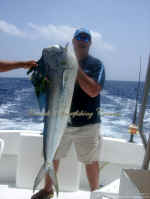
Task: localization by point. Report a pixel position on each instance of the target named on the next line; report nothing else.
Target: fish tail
(39, 176)
(52, 174)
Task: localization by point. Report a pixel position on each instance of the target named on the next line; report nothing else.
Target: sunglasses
(83, 38)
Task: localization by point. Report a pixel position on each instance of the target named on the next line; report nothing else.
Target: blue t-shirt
(85, 109)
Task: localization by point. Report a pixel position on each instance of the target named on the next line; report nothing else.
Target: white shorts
(87, 140)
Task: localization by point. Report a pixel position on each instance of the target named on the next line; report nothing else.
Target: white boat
(20, 163)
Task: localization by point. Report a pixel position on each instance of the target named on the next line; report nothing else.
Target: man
(84, 129)
(10, 65)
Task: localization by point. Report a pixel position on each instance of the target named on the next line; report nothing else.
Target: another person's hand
(29, 64)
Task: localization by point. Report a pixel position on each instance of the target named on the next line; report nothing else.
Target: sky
(120, 32)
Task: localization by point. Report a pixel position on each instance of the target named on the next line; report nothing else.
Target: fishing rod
(133, 129)
(143, 105)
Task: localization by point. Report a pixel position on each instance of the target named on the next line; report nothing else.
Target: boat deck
(109, 191)
(10, 192)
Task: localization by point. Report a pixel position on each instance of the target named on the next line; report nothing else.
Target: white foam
(21, 125)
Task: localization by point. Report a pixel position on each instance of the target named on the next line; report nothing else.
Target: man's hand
(29, 64)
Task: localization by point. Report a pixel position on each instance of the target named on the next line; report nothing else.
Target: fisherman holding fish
(82, 130)
(10, 65)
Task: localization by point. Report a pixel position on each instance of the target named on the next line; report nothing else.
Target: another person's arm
(10, 65)
(88, 84)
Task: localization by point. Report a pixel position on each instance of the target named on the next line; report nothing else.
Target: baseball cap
(82, 30)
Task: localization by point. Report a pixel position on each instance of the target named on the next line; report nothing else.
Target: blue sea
(18, 100)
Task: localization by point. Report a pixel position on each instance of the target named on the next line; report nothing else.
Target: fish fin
(52, 174)
(42, 101)
(39, 176)
(66, 46)
(63, 81)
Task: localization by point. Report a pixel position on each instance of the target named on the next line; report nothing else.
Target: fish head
(55, 58)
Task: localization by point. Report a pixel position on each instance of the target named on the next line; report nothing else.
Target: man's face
(81, 43)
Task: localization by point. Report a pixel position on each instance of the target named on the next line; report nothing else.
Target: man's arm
(10, 65)
(90, 86)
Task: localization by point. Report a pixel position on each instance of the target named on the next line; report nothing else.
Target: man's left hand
(29, 64)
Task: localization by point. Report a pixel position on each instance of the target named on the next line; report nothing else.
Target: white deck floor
(7, 192)
(109, 191)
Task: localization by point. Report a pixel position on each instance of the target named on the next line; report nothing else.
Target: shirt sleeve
(101, 76)
(98, 74)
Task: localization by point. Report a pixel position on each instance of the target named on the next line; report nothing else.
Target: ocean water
(18, 101)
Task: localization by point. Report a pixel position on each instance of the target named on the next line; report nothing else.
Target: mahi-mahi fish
(60, 70)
